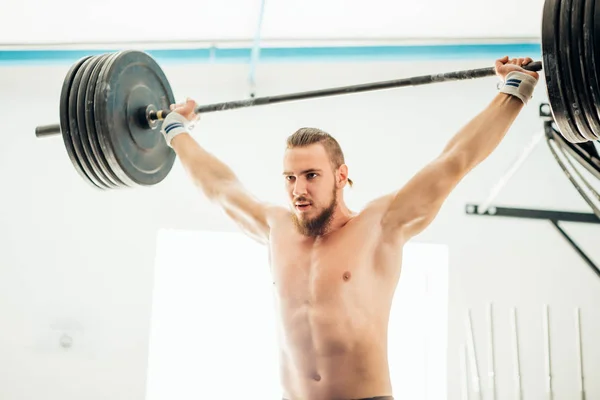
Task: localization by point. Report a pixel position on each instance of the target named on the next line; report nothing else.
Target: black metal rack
(554, 217)
(586, 155)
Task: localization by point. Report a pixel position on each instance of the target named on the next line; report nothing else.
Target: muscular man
(336, 270)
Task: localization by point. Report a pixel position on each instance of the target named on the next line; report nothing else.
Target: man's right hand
(186, 109)
(181, 119)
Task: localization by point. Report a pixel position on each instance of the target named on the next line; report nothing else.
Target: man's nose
(299, 188)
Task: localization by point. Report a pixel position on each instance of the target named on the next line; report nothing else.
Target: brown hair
(307, 136)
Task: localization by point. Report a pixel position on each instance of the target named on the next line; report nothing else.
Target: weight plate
(578, 73)
(589, 59)
(593, 53)
(551, 60)
(101, 124)
(573, 109)
(77, 136)
(65, 119)
(84, 105)
(83, 133)
(129, 83)
(587, 62)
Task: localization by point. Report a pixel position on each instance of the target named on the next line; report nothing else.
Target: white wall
(80, 261)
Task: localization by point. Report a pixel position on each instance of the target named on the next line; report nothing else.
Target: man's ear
(342, 175)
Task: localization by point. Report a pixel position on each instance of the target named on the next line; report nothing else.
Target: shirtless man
(336, 270)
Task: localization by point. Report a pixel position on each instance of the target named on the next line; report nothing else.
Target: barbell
(112, 105)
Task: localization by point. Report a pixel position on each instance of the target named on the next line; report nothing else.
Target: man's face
(311, 188)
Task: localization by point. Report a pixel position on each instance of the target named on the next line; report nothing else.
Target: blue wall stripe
(292, 54)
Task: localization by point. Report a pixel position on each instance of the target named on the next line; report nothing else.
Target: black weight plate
(588, 72)
(90, 119)
(101, 123)
(551, 62)
(130, 82)
(564, 57)
(79, 137)
(83, 117)
(577, 70)
(594, 54)
(589, 58)
(65, 124)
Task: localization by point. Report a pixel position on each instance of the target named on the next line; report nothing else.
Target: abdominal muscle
(328, 354)
(333, 329)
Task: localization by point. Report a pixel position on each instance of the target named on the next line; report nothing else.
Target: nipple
(317, 377)
(347, 275)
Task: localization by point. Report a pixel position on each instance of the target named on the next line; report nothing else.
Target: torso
(333, 299)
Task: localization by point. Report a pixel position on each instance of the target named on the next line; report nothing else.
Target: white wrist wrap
(519, 84)
(173, 125)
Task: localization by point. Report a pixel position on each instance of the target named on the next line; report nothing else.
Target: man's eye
(312, 175)
(289, 178)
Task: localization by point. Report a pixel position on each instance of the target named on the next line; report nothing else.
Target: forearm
(207, 171)
(478, 139)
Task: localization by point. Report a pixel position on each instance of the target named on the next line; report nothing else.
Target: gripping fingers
(521, 61)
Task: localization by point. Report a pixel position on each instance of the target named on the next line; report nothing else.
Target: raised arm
(411, 209)
(215, 179)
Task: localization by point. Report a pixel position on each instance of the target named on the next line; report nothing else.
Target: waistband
(366, 398)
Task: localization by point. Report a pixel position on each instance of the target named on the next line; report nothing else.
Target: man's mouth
(302, 206)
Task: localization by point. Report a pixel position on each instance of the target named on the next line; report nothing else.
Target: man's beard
(318, 225)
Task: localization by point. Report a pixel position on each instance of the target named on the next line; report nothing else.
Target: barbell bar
(158, 115)
(112, 105)
(390, 84)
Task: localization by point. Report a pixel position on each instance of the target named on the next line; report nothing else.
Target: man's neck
(341, 216)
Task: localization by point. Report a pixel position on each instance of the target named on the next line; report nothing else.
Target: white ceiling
(109, 21)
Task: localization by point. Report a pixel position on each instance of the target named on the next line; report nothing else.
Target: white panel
(402, 19)
(126, 20)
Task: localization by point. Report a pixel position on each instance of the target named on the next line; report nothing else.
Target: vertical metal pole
(491, 370)
(472, 356)
(256, 51)
(547, 358)
(515, 352)
(579, 353)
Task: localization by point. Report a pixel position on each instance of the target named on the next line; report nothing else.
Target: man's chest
(319, 272)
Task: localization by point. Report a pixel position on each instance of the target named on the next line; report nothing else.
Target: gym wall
(74, 259)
